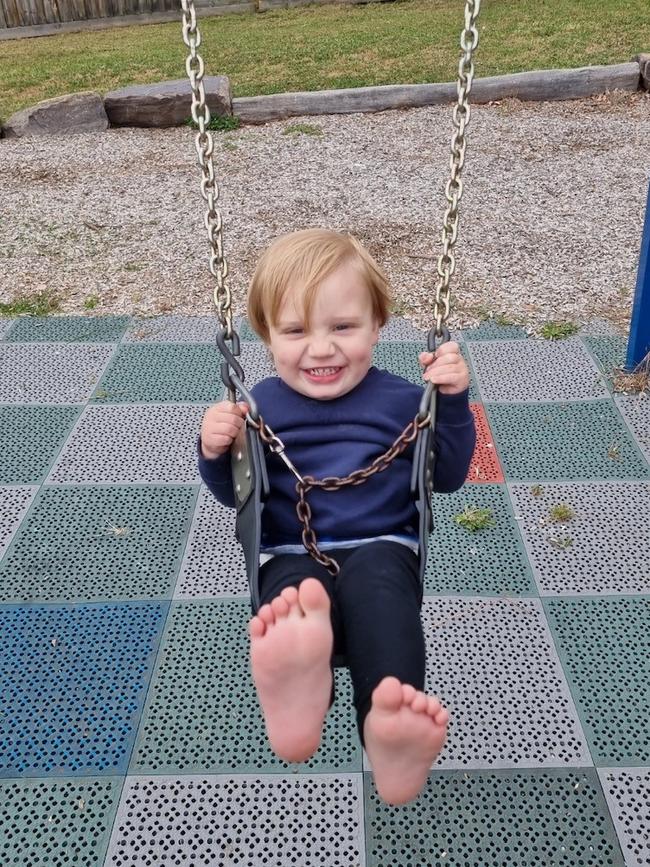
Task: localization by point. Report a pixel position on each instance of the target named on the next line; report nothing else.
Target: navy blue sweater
(335, 437)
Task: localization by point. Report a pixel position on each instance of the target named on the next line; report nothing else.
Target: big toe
(313, 596)
(387, 695)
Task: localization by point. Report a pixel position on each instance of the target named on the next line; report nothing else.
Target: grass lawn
(313, 48)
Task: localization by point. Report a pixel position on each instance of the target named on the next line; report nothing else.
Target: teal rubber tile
(5, 327)
(202, 713)
(550, 818)
(57, 822)
(636, 412)
(490, 329)
(94, 544)
(627, 791)
(482, 562)
(173, 329)
(604, 645)
(14, 502)
(608, 352)
(215, 821)
(156, 373)
(31, 438)
(578, 441)
(68, 329)
(401, 359)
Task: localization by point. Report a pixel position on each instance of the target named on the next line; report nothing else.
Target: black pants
(375, 611)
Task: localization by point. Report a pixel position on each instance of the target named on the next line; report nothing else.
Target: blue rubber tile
(14, 502)
(31, 438)
(57, 822)
(48, 373)
(72, 685)
(68, 329)
(628, 795)
(535, 371)
(565, 442)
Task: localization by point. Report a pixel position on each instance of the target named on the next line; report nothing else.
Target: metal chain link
(204, 148)
(454, 188)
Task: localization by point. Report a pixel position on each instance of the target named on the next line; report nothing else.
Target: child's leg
(402, 729)
(291, 652)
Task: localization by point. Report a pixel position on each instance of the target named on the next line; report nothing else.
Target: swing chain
(334, 483)
(454, 188)
(204, 148)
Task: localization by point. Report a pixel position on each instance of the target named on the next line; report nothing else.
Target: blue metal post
(638, 344)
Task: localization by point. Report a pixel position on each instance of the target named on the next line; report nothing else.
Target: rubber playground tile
(485, 466)
(636, 412)
(604, 645)
(95, 544)
(57, 822)
(73, 680)
(213, 564)
(565, 442)
(14, 502)
(627, 791)
(49, 373)
(202, 713)
(609, 353)
(397, 328)
(401, 359)
(172, 329)
(5, 327)
(601, 546)
(488, 561)
(132, 444)
(490, 329)
(31, 438)
(245, 820)
(68, 329)
(493, 665)
(155, 373)
(535, 371)
(543, 818)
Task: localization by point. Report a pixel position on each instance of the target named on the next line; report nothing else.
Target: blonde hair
(301, 261)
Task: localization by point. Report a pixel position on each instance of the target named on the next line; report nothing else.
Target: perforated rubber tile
(73, 680)
(485, 466)
(535, 370)
(550, 818)
(636, 412)
(401, 358)
(397, 328)
(202, 713)
(491, 330)
(604, 645)
(132, 444)
(627, 791)
(5, 327)
(603, 548)
(312, 821)
(80, 544)
(155, 373)
(31, 438)
(487, 561)
(14, 502)
(69, 329)
(213, 564)
(47, 373)
(609, 352)
(57, 822)
(172, 329)
(565, 442)
(493, 665)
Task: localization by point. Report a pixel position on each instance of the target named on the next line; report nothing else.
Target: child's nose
(321, 346)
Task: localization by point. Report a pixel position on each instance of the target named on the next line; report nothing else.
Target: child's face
(331, 357)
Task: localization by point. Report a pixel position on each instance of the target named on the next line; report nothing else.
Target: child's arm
(221, 424)
(455, 429)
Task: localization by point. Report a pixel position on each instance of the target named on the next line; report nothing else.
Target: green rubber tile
(550, 818)
(68, 329)
(82, 544)
(604, 646)
(155, 373)
(565, 442)
(491, 330)
(401, 358)
(488, 561)
(57, 822)
(202, 713)
(31, 438)
(608, 352)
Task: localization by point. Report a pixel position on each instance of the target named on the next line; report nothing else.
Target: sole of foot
(291, 649)
(404, 731)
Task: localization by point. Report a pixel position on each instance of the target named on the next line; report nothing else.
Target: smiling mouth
(323, 371)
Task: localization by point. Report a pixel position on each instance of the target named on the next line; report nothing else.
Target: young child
(318, 300)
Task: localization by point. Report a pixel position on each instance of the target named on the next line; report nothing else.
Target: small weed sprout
(635, 382)
(560, 542)
(91, 302)
(218, 123)
(40, 304)
(558, 330)
(474, 518)
(302, 129)
(614, 451)
(561, 513)
(537, 490)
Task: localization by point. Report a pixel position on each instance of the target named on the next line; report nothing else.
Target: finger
(450, 346)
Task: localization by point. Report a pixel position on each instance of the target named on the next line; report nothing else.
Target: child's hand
(221, 424)
(447, 368)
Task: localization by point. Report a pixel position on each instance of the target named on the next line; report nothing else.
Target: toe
(442, 717)
(280, 607)
(419, 703)
(256, 627)
(433, 705)
(408, 693)
(290, 595)
(313, 597)
(266, 615)
(388, 694)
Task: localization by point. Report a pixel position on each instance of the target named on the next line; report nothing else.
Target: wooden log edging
(542, 85)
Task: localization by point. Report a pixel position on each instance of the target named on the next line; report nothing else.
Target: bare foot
(291, 649)
(404, 732)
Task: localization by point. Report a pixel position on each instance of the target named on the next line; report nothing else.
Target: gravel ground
(551, 217)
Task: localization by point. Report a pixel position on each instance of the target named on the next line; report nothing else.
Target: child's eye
(343, 326)
(293, 331)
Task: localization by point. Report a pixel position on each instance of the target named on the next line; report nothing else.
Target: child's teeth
(323, 371)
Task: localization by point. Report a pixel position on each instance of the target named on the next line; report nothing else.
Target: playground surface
(131, 733)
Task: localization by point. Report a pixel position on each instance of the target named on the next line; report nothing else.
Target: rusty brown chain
(219, 268)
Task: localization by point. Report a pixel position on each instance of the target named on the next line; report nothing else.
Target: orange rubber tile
(485, 466)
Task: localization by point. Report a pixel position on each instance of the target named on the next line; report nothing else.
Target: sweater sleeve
(455, 440)
(217, 475)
